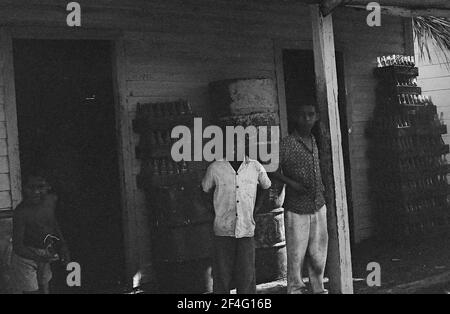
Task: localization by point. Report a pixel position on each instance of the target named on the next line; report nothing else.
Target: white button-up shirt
(235, 196)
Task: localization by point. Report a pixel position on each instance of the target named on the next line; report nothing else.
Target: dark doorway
(67, 127)
(300, 84)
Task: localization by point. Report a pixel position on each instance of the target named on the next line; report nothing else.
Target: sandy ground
(411, 261)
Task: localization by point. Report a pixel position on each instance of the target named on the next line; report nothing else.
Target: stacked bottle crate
(409, 165)
(180, 222)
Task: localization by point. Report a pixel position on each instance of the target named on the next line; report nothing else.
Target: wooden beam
(328, 6)
(282, 106)
(7, 72)
(127, 181)
(404, 8)
(410, 4)
(408, 13)
(339, 259)
(409, 36)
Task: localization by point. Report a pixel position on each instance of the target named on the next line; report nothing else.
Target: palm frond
(429, 30)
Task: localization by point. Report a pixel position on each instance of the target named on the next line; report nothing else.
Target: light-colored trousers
(306, 237)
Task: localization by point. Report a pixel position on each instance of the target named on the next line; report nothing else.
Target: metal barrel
(271, 259)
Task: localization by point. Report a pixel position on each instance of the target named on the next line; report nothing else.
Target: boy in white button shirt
(235, 201)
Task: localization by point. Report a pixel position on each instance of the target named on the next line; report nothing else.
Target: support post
(130, 223)
(409, 36)
(339, 263)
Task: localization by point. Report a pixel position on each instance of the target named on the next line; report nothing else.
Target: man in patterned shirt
(306, 213)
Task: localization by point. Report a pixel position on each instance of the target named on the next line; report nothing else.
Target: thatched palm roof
(432, 30)
(431, 19)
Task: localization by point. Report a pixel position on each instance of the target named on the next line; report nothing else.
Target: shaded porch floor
(415, 266)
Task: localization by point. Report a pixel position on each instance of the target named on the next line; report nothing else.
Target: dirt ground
(414, 266)
(411, 261)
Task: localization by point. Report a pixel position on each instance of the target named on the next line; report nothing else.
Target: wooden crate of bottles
(409, 166)
(181, 225)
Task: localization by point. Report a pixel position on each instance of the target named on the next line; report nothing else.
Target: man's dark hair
(306, 104)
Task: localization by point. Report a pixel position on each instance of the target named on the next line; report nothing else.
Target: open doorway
(67, 127)
(300, 86)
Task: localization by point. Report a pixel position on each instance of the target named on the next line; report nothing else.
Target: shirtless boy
(34, 229)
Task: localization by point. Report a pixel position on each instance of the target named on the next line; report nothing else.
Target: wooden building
(435, 81)
(172, 49)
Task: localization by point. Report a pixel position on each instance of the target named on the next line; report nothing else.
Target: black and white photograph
(223, 153)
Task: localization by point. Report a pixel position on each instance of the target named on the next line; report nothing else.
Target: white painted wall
(434, 79)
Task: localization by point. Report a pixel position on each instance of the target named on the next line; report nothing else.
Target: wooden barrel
(271, 259)
(276, 197)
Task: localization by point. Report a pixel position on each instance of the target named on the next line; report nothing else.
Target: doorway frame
(279, 46)
(340, 257)
(122, 123)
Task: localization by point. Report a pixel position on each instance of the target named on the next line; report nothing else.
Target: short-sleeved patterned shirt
(301, 164)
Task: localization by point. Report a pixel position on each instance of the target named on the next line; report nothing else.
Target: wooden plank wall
(171, 65)
(174, 48)
(5, 194)
(362, 45)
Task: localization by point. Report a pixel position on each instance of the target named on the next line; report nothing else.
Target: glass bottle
(156, 170)
(184, 167)
(181, 108)
(163, 168)
(170, 168)
(380, 64)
